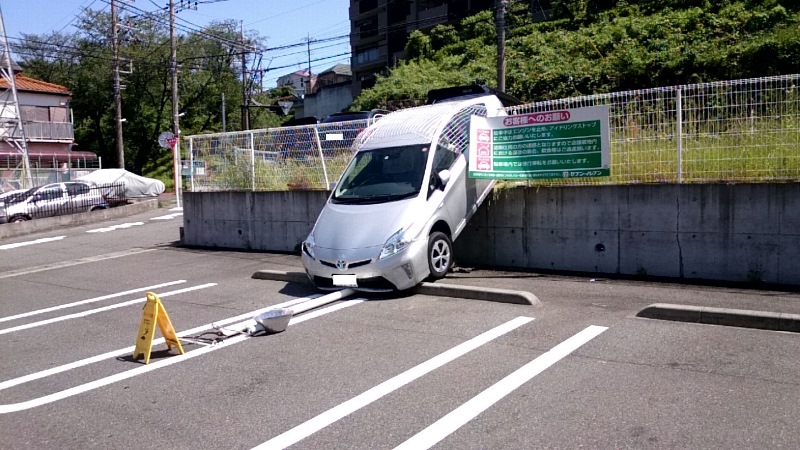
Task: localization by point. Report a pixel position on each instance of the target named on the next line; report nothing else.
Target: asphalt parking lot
(417, 370)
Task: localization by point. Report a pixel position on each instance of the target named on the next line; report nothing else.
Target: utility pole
(176, 130)
(223, 113)
(245, 91)
(308, 82)
(15, 117)
(117, 92)
(500, 6)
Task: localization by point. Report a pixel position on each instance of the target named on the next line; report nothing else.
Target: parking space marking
(99, 310)
(443, 427)
(332, 415)
(86, 387)
(167, 217)
(37, 241)
(121, 226)
(117, 353)
(75, 262)
(90, 300)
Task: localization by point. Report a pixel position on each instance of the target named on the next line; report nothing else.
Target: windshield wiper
(373, 199)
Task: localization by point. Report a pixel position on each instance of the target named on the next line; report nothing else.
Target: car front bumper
(401, 271)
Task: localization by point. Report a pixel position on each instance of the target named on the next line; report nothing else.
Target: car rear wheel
(17, 219)
(440, 254)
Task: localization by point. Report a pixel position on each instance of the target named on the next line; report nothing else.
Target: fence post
(322, 158)
(191, 163)
(252, 163)
(679, 132)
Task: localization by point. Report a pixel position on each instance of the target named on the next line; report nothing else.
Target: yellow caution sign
(154, 313)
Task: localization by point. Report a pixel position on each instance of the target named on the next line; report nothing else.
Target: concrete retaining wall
(273, 221)
(8, 230)
(743, 232)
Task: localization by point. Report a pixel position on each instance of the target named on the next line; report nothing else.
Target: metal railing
(38, 131)
(737, 131)
(12, 175)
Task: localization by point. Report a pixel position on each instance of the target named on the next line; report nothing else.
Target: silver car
(52, 200)
(403, 199)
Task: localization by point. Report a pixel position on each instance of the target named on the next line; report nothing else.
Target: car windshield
(383, 175)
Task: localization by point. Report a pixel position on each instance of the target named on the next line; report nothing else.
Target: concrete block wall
(740, 232)
(269, 221)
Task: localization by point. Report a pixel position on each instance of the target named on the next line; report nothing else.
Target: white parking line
(115, 227)
(15, 407)
(37, 241)
(75, 262)
(116, 353)
(167, 217)
(443, 427)
(91, 300)
(330, 416)
(99, 310)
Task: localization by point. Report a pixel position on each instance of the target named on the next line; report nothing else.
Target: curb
(478, 293)
(436, 289)
(764, 320)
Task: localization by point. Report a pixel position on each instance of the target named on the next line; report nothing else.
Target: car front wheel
(18, 219)
(440, 254)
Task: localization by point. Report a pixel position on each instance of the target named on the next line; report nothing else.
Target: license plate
(345, 280)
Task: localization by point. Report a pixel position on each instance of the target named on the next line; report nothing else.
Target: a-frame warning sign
(154, 313)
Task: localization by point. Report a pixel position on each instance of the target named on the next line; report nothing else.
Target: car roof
(417, 125)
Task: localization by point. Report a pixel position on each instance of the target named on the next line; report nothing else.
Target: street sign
(162, 139)
(171, 141)
(570, 143)
(285, 106)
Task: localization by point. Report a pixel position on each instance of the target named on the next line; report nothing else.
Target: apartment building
(380, 29)
(47, 124)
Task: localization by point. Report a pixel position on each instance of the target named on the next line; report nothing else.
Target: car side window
(49, 193)
(75, 189)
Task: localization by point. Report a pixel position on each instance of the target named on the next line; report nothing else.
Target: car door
(49, 200)
(81, 197)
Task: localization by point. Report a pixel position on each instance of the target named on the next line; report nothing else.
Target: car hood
(344, 227)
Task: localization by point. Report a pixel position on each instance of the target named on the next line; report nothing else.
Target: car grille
(351, 265)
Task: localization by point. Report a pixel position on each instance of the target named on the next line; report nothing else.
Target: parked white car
(403, 199)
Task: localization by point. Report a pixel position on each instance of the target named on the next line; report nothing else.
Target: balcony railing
(41, 131)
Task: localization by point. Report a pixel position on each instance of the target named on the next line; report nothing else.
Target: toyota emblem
(341, 264)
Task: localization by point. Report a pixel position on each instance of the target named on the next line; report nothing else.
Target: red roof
(29, 84)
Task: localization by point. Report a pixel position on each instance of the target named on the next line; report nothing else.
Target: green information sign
(557, 144)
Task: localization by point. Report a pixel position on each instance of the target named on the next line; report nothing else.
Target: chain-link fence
(730, 131)
(275, 159)
(723, 132)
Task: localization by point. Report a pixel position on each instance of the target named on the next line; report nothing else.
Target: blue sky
(280, 22)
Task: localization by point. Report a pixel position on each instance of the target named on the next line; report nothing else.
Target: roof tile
(30, 84)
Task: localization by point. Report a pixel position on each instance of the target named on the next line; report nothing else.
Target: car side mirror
(444, 176)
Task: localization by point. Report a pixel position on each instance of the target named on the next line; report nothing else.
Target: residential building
(380, 29)
(299, 80)
(47, 124)
(340, 73)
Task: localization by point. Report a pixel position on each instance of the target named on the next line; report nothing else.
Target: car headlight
(394, 245)
(308, 246)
